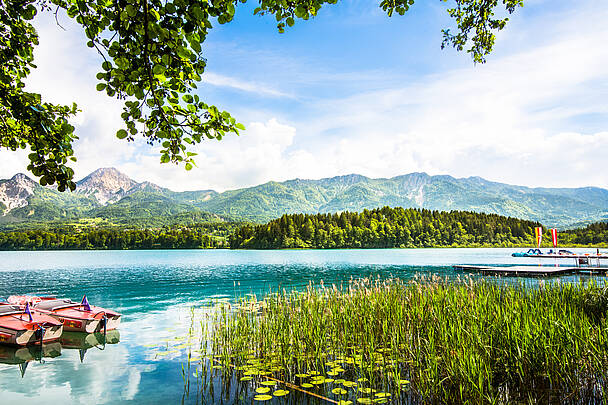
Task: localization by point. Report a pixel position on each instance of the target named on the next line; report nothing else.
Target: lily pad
(339, 391)
(262, 390)
(307, 385)
(280, 393)
(269, 383)
(262, 397)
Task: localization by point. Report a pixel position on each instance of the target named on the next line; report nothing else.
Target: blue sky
(353, 91)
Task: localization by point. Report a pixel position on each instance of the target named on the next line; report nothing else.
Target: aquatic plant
(426, 341)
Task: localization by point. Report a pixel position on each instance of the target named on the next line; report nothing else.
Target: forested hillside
(386, 228)
(594, 234)
(195, 237)
(113, 198)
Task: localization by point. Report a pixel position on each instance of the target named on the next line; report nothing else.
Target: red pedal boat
(76, 317)
(20, 325)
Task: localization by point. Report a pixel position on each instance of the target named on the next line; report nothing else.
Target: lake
(154, 291)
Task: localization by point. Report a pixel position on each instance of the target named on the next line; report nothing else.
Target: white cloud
(256, 156)
(247, 86)
(502, 120)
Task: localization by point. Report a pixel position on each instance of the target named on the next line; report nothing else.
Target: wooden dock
(530, 271)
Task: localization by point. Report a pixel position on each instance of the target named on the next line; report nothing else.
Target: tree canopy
(152, 61)
(385, 228)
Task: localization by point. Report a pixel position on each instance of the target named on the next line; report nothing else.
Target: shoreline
(597, 246)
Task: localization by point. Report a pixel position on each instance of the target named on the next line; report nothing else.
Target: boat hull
(86, 325)
(25, 337)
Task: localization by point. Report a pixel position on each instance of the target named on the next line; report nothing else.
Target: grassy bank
(428, 341)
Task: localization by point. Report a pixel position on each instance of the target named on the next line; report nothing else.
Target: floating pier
(530, 271)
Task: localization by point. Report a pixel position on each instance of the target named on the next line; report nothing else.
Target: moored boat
(20, 325)
(76, 317)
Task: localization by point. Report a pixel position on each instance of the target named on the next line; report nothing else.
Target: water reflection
(22, 356)
(85, 341)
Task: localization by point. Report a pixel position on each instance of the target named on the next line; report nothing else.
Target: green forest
(207, 236)
(595, 234)
(406, 228)
(379, 228)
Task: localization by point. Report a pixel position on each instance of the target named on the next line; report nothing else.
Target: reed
(425, 341)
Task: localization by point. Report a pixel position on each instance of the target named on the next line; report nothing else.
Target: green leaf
(158, 69)
(121, 134)
(188, 166)
(100, 86)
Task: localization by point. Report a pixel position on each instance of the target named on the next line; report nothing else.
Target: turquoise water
(154, 291)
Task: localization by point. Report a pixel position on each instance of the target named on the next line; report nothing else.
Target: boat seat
(52, 305)
(10, 310)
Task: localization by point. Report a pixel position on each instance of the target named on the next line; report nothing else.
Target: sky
(354, 91)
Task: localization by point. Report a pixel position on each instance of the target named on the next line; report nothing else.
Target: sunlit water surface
(154, 291)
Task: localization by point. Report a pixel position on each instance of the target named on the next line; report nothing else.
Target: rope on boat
(104, 319)
(40, 330)
(290, 385)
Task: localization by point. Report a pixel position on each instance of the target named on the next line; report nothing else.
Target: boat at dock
(584, 260)
(22, 326)
(582, 263)
(75, 317)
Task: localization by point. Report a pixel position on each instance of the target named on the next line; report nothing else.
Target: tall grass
(426, 341)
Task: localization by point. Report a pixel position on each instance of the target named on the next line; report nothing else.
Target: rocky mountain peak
(23, 180)
(14, 193)
(107, 185)
(412, 186)
(147, 186)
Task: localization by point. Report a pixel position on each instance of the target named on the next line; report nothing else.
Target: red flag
(554, 237)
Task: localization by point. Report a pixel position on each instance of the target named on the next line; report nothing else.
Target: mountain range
(109, 196)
